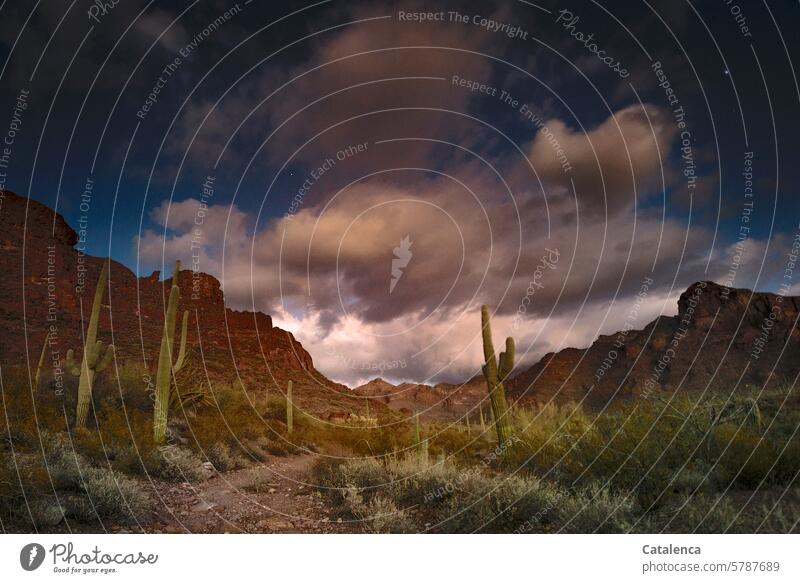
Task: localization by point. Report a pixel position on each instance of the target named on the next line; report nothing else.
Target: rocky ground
(276, 496)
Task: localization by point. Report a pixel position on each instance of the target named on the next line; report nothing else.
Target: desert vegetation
(727, 463)
(664, 462)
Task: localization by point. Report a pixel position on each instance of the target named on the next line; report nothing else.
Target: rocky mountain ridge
(48, 286)
(721, 339)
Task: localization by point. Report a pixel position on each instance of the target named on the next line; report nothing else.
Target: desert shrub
(258, 483)
(457, 499)
(17, 419)
(127, 459)
(235, 423)
(275, 408)
(176, 464)
(378, 514)
(277, 447)
(110, 495)
(129, 384)
(38, 490)
(663, 448)
(452, 441)
(63, 464)
(252, 448)
(222, 458)
(598, 509)
(22, 477)
(116, 427)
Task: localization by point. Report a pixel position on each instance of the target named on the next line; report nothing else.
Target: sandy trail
(276, 496)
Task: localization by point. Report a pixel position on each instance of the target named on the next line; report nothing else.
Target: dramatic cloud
(612, 165)
(371, 78)
(554, 277)
(194, 233)
(158, 26)
(386, 251)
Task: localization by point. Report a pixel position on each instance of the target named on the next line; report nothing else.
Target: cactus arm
(95, 354)
(507, 360)
(182, 351)
(108, 356)
(40, 365)
(94, 319)
(72, 366)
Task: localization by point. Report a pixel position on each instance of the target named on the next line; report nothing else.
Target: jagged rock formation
(721, 338)
(444, 401)
(47, 285)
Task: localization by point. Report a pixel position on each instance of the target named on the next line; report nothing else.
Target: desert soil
(276, 496)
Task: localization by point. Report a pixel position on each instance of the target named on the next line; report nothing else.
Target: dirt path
(275, 496)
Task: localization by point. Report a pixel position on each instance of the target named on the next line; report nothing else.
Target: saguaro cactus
(166, 369)
(483, 420)
(40, 366)
(96, 356)
(495, 374)
(289, 408)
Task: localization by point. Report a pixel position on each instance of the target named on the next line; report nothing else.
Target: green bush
(176, 464)
(453, 499)
(113, 496)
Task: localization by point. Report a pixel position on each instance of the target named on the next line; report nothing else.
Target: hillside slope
(721, 338)
(48, 285)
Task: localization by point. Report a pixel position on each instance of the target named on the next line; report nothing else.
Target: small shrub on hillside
(110, 495)
(62, 462)
(222, 458)
(176, 464)
(463, 500)
(706, 514)
(378, 514)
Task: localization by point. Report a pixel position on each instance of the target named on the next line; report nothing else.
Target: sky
(371, 173)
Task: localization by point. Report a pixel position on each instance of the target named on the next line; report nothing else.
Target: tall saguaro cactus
(289, 408)
(495, 374)
(166, 369)
(40, 366)
(96, 356)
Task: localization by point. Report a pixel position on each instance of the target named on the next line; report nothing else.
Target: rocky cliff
(443, 401)
(48, 286)
(721, 338)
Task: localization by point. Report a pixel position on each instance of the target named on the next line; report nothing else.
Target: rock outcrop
(443, 401)
(48, 285)
(722, 338)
